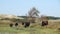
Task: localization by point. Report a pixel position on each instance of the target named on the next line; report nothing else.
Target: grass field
(9, 30)
(4, 29)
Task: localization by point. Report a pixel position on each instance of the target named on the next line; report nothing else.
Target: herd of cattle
(27, 24)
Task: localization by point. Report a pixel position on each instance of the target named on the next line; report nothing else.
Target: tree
(33, 13)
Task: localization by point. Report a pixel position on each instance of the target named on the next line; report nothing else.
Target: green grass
(34, 30)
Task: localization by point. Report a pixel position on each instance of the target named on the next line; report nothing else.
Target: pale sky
(21, 7)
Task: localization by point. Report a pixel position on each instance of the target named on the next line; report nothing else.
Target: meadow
(52, 28)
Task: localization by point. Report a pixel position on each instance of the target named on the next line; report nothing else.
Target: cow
(44, 23)
(11, 25)
(22, 23)
(27, 24)
(16, 24)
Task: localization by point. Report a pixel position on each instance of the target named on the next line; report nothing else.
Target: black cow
(11, 25)
(44, 23)
(16, 24)
(27, 24)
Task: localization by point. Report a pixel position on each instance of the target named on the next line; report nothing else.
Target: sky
(22, 7)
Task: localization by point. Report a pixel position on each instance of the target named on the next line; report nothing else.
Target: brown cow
(22, 23)
(44, 23)
(16, 24)
(27, 24)
(11, 25)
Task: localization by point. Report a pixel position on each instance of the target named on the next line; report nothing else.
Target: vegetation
(33, 12)
(33, 29)
(54, 18)
(49, 17)
(5, 30)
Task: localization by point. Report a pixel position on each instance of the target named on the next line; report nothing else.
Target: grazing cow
(22, 23)
(16, 24)
(44, 23)
(27, 24)
(11, 25)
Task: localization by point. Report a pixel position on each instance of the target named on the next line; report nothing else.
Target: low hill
(52, 17)
(49, 17)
